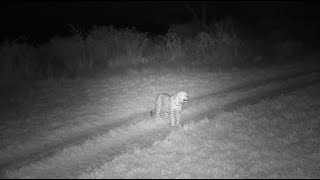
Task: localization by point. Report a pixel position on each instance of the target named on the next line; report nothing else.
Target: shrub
(63, 56)
(155, 49)
(220, 45)
(100, 46)
(173, 45)
(106, 46)
(17, 60)
(112, 47)
(200, 49)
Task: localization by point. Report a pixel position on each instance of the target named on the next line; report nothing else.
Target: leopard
(170, 104)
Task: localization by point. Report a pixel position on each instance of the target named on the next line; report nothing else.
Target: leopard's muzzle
(185, 99)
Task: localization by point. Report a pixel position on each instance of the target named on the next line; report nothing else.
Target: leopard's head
(183, 96)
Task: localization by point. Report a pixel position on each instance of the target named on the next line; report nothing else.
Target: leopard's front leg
(178, 115)
(172, 117)
(166, 116)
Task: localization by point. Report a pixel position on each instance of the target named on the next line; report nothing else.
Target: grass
(91, 154)
(72, 160)
(42, 117)
(276, 138)
(57, 111)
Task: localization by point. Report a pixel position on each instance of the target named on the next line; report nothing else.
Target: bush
(173, 45)
(63, 56)
(220, 45)
(108, 47)
(112, 47)
(17, 60)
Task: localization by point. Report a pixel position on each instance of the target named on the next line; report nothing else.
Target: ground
(240, 123)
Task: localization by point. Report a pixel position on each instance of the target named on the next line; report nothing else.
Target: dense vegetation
(105, 47)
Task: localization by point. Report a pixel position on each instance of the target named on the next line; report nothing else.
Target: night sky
(41, 20)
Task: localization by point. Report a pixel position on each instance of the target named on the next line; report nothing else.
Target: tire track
(285, 88)
(254, 84)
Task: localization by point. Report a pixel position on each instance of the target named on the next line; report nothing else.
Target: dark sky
(45, 18)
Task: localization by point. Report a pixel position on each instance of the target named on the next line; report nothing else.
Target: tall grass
(116, 47)
(109, 47)
(220, 45)
(18, 60)
(63, 56)
(173, 45)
